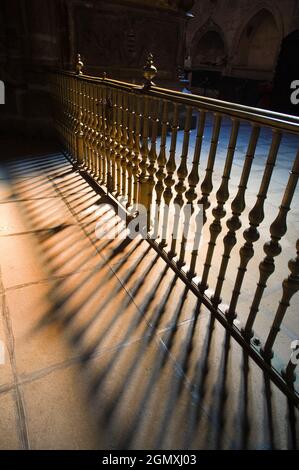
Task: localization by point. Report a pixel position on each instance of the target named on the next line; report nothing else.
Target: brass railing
(144, 145)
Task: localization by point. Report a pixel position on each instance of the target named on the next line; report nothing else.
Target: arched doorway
(209, 50)
(208, 59)
(259, 43)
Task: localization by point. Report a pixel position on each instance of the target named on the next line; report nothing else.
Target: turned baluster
(124, 150)
(87, 129)
(110, 141)
(113, 140)
(92, 135)
(53, 84)
(68, 116)
(272, 248)
(160, 174)
(67, 111)
(207, 184)
(105, 161)
(180, 188)
(80, 129)
(191, 194)
(137, 148)
(65, 120)
(103, 137)
(237, 207)
(119, 143)
(96, 133)
(290, 286)
(92, 127)
(73, 116)
(100, 136)
(63, 112)
(61, 116)
(143, 176)
(131, 153)
(152, 157)
(219, 211)
(169, 180)
(85, 120)
(256, 216)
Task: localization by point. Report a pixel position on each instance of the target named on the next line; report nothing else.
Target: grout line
(22, 428)
(37, 375)
(151, 329)
(96, 249)
(44, 372)
(39, 230)
(41, 373)
(6, 388)
(50, 279)
(12, 199)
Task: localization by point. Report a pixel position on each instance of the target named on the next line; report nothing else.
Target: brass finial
(79, 65)
(150, 71)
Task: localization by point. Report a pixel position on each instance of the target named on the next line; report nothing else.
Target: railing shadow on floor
(160, 351)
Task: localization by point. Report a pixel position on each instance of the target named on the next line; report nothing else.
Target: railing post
(145, 187)
(80, 133)
(149, 72)
(79, 65)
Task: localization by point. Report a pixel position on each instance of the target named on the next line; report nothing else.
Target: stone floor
(104, 346)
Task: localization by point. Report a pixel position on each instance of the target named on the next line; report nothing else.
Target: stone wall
(113, 37)
(232, 40)
(244, 27)
(249, 36)
(116, 39)
(29, 46)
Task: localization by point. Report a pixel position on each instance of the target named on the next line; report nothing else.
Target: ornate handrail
(271, 119)
(136, 142)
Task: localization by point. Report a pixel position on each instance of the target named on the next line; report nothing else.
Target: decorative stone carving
(123, 41)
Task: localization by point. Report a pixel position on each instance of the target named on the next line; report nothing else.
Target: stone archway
(210, 50)
(259, 42)
(208, 46)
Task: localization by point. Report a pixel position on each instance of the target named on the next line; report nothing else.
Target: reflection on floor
(104, 347)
